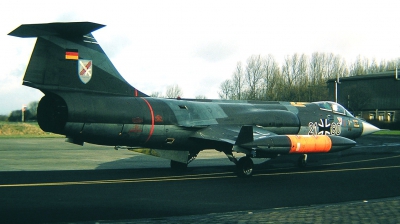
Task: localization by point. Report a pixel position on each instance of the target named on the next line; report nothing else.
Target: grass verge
(387, 132)
(23, 130)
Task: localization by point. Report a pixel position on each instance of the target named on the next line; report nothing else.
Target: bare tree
(359, 67)
(300, 78)
(316, 68)
(389, 65)
(294, 73)
(156, 94)
(341, 69)
(373, 67)
(324, 66)
(226, 90)
(270, 78)
(302, 70)
(254, 75)
(237, 82)
(288, 71)
(202, 97)
(173, 91)
(32, 108)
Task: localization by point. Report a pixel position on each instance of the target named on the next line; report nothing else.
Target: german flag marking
(71, 54)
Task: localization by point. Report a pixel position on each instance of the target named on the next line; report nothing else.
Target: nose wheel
(244, 167)
(302, 161)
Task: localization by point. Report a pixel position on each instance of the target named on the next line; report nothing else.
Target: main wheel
(178, 165)
(244, 167)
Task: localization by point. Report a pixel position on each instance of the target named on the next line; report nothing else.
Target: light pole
(23, 113)
(336, 87)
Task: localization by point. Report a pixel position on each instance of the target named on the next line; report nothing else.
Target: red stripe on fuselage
(152, 119)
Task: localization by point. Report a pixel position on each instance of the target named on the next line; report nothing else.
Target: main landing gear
(244, 167)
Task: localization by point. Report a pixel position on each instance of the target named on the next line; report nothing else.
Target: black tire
(178, 165)
(244, 167)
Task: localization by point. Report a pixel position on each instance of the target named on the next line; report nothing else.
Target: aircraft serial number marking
(324, 128)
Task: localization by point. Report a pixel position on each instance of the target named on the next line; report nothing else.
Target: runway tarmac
(49, 180)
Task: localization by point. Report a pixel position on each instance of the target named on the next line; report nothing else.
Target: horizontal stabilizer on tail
(55, 29)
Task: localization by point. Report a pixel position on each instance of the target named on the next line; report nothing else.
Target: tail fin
(68, 58)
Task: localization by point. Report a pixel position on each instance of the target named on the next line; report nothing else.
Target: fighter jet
(87, 100)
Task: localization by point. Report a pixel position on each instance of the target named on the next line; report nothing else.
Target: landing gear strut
(244, 167)
(302, 161)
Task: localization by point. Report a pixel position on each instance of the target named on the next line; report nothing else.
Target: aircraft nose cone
(368, 128)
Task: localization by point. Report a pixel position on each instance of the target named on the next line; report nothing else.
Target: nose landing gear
(302, 161)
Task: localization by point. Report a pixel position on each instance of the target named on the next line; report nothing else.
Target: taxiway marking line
(360, 161)
(187, 177)
(139, 180)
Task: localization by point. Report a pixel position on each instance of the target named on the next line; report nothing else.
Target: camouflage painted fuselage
(169, 123)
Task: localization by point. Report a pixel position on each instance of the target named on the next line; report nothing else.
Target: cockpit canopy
(332, 106)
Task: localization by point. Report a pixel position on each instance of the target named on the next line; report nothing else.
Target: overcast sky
(197, 44)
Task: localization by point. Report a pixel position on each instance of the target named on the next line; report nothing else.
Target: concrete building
(374, 97)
